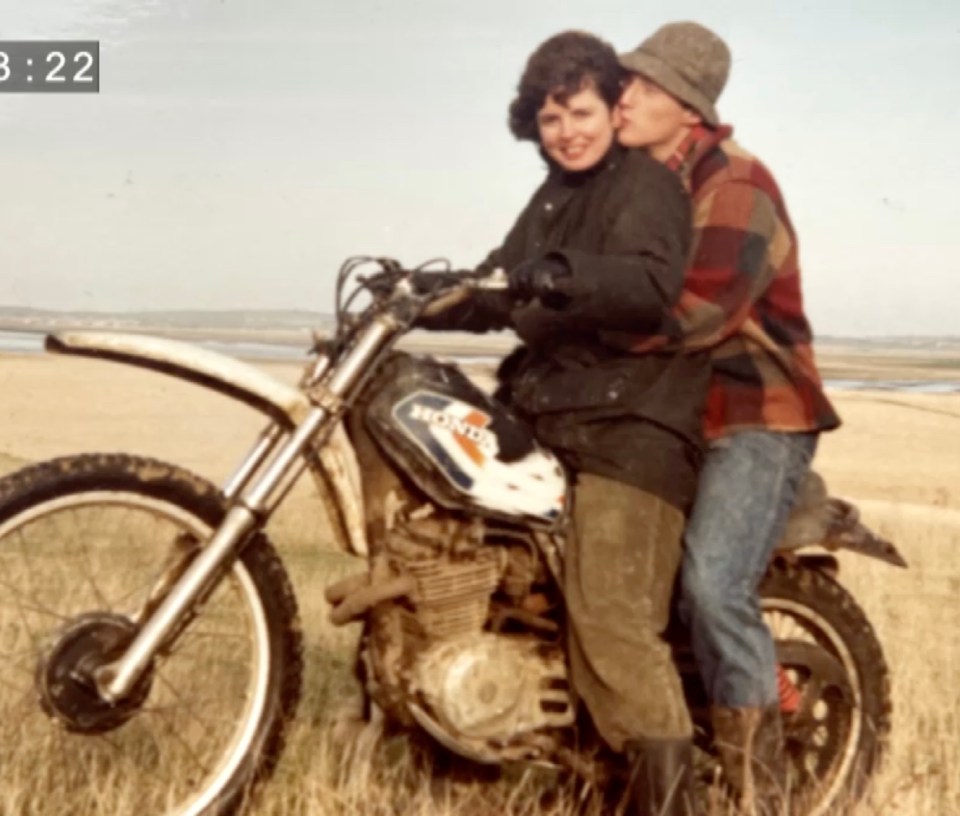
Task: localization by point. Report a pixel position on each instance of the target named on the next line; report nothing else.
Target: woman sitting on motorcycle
(601, 247)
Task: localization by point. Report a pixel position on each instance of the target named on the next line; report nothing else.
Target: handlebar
(406, 294)
(496, 281)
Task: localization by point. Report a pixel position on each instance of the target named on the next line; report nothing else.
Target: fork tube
(268, 439)
(116, 680)
(351, 371)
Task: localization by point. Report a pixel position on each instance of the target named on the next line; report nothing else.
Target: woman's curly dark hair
(560, 67)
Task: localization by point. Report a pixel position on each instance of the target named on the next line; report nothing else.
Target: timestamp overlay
(49, 66)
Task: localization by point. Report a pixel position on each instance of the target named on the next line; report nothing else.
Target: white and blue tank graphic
(457, 438)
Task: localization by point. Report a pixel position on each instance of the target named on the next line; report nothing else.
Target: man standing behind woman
(602, 245)
(742, 301)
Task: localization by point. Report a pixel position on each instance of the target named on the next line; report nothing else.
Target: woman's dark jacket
(623, 229)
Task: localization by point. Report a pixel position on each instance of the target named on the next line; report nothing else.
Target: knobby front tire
(83, 540)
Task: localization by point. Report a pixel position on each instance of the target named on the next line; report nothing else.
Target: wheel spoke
(182, 704)
(21, 606)
(26, 701)
(24, 663)
(88, 573)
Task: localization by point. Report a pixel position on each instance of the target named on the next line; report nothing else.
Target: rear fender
(334, 466)
(821, 520)
(836, 526)
(854, 536)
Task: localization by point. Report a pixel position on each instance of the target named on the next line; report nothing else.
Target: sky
(238, 151)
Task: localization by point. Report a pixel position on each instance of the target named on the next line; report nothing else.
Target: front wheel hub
(65, 674)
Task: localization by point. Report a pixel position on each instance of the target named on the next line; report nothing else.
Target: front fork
(252, 501)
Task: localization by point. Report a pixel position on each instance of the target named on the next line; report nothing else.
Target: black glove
(538, 278)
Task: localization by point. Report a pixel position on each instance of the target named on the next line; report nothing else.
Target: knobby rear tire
(83, 485)
(838, 624)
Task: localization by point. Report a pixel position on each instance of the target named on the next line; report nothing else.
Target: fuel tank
(460, 446)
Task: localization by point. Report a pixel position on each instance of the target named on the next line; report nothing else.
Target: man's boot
(750, 744)
(661, 777)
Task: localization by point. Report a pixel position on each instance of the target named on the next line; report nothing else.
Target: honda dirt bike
(150, 643)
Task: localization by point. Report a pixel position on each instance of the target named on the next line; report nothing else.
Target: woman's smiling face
(578, 132)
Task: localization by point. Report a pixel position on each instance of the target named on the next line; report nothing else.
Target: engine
(467, 650)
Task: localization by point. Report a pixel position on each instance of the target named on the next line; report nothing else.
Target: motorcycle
(152, 652)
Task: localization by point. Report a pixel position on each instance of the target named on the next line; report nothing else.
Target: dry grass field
(897, 457)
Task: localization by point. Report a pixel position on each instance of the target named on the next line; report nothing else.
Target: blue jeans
(747, 489)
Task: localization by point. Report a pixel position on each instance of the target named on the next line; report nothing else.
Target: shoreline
(841, 373)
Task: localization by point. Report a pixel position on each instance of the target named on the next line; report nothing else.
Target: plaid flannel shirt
(741, 296)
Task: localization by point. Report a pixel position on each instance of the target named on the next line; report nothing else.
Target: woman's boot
(661, 781)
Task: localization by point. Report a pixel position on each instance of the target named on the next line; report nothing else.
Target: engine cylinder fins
(453, 597)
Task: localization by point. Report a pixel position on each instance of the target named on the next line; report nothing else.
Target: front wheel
(825, 642)
(84, 545)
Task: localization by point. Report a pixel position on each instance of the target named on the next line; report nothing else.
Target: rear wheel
(829, 649)
(84, 545)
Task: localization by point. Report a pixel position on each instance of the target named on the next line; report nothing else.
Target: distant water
(21, 342)
(32, 343)
(901, 386)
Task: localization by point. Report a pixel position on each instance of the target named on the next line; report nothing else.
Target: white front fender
(238, 380)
